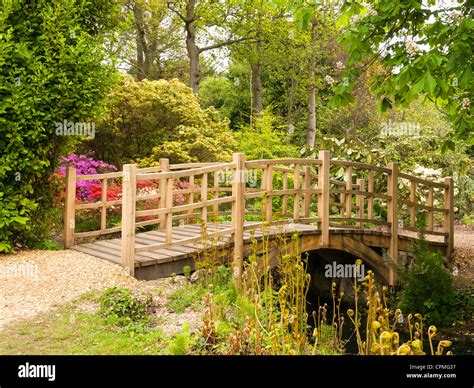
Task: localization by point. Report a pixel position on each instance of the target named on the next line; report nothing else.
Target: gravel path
(34, 281)
(463, 256)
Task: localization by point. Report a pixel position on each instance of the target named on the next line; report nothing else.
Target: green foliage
(267, 140)
(150, 120)
(188, 296)
(47, 245)
(379, 144)
(229, 97)
(435, 60)
(428, 287)
(182, 342)
(119, 306)
(51, 69)
(187, 271)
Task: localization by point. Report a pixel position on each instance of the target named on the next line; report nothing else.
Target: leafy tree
(266, 140)
(151, 119)
(229, 98)
(423, 49)
(199, 18)
(150, 41)
(52, 69)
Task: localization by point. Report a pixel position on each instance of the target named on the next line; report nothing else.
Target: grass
(190, 296)
(74, 333)
(70, 330)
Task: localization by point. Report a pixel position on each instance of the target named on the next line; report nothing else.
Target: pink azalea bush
(85, 165)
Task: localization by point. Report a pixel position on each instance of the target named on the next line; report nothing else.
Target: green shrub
(119, 306)
(182, 342)
(267, 140)
(52, 69)
(149, 120)
(427, 287)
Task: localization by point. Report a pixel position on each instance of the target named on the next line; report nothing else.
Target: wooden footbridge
(170, 214)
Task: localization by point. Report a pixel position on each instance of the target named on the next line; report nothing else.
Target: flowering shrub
(114, 192)
(85, 165)
(91, 191)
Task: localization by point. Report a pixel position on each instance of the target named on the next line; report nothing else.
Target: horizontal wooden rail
(363, 193)
(185, 241)
(362, 166)
(270, 162)
(182, 208)
(366, 220)
(185, 173)
(93, 177)
(424, 207)
(422, 181)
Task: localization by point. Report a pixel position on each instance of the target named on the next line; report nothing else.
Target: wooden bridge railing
(325, 192)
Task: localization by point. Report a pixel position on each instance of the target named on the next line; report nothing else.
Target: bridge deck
(111, 249)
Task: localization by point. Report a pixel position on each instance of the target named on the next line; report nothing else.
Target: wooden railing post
(70, 208)
(238, 213)
(296, 196)
(449, 216)
(284, 206)
(164, 167)
(268, 182)
(129, 192)
(360, 200)
(103, 209)
(306, 195)
(412, 204)
(204, 197)
(191, 197)
(215, 208)
(370, 198)
(323, 202)
(348, 199)
(430, 224)
(169, 213)
(392, 217)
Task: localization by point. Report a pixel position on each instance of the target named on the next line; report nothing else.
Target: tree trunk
(257, 104)
(138, 13)
(146, 47)
(311, 133)
(192, 47)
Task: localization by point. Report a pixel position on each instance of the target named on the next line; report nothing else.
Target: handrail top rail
(91, 177)
(364, 166)
(422, 180)
(183, 173)
(187, 169)
(265, 162)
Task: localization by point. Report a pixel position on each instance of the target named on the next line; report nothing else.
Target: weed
(118, 306)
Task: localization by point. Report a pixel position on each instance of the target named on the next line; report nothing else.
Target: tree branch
(223, 44)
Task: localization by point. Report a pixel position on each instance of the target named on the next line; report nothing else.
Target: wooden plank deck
(111, 249)
(165, 261)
